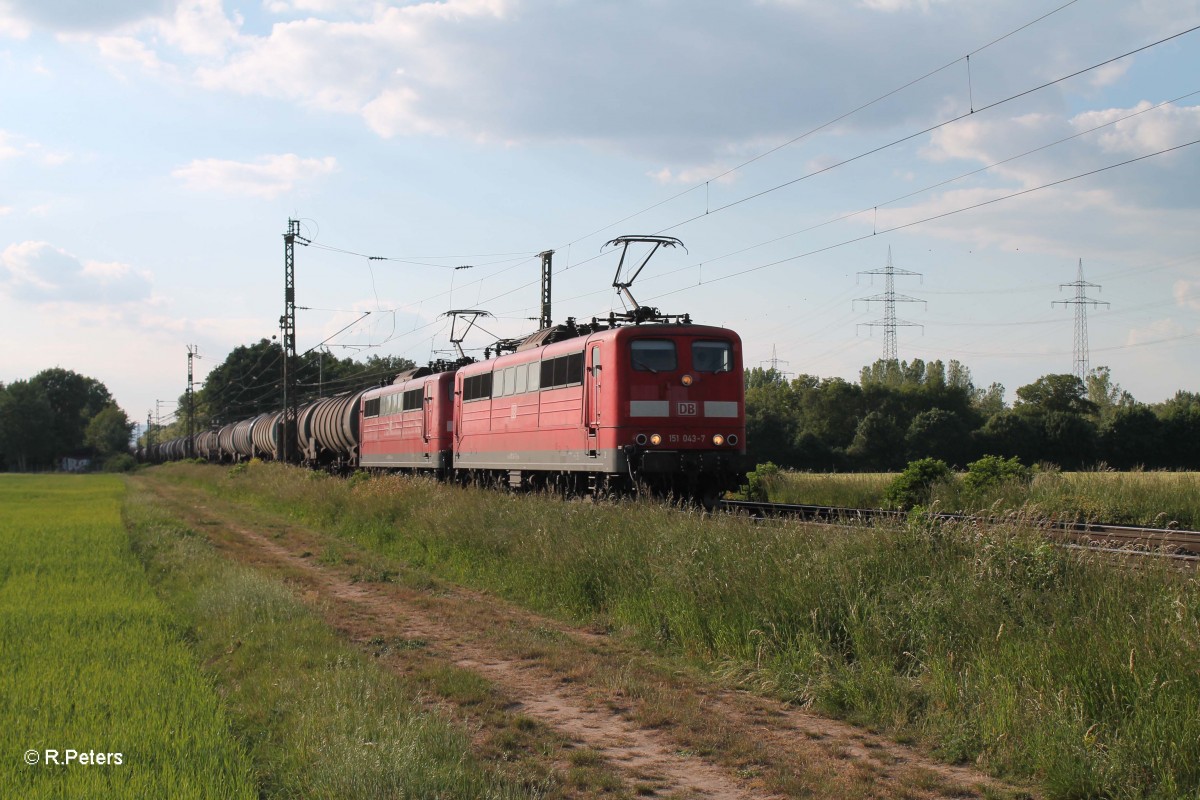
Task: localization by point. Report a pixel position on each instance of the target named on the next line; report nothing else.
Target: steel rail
(1169, 541)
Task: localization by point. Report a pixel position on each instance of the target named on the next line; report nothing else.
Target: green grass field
(319, 719)
(1155, 499)
(988, 644)
(94, 662)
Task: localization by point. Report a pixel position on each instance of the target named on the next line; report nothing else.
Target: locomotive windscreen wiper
(644, 365)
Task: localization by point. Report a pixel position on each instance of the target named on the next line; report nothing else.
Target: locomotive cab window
(653, 355)
(712, 356)
(371, 408)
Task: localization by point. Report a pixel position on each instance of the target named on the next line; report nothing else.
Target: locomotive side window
(535, 371)
(412, 399)
(653, 355)
(712, 356)
(522, 379)
(371, 408)
(477, 387)
(562, 371)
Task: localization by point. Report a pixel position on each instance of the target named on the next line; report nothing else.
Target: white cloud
(13, 27)
(14, 146)
(5, 210)
(41, 273)
(1110, 74)
(1145, 133)
(200, 27)
(268, 178)
(1156, 331)
(7, 148)
(127, 49)
(355, 7)
(695, 174)
(1187, 294)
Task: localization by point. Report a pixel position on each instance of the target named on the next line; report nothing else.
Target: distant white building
(71, 464)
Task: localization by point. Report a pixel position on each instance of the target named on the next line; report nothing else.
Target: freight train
(589, 409)
(640, 400)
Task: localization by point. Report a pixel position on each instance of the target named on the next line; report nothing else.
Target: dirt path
(664, 733)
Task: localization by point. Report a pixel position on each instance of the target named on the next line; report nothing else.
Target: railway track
(1169, 542)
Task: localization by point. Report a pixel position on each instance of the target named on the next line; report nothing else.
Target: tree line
(902, 411)
(60, 414)
(249, 382)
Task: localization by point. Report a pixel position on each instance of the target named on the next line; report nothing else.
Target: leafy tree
(109, 431)
(1068, 439)
(250, 380)
(1180, 434)
(74, 399)
(1132, 437)
(1061, 393)
(1108, 396)
(25, 419)
(830, 409)
(878, 443)
(938, 433)
(988, 402)
(770, 417)
(1009, 433)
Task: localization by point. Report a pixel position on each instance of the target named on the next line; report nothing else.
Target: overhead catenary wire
(929, 129)
(942, 215)
(529, 256)
(824, 125)
(508, 292)
(850, 215)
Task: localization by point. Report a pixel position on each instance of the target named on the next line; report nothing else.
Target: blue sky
(152, 151)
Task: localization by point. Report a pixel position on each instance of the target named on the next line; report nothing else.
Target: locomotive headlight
(732, 439)
(687, 380)
(640, 439)
(655, 438)
(718, 439)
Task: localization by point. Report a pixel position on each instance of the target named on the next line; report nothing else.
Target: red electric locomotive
(660, 404)
(407, 425)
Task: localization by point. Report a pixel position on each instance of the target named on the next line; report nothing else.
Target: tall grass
(1155, 499)
(319, 719)
(988, 643)
(93, 661)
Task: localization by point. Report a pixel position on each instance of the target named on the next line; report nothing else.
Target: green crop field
(95, 669)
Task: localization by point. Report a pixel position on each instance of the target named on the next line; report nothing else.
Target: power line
(823, 126)
(930, 129)
(934, 217)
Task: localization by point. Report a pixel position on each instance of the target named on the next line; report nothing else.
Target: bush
(992, 471)
(121, 462)
(759, 481)
(914, 486)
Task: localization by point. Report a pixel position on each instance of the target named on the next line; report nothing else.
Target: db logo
(685, 409)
